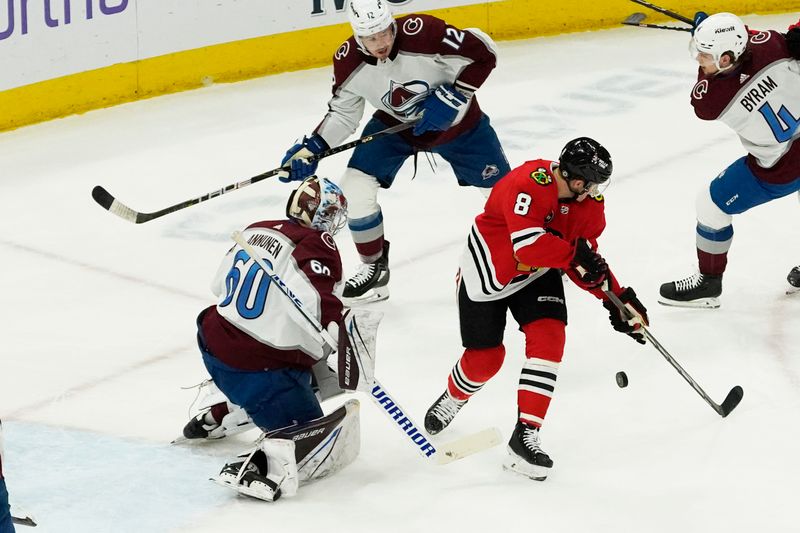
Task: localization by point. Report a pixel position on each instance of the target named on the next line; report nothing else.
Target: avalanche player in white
(259, 350)
(417, 67)
(751, 82)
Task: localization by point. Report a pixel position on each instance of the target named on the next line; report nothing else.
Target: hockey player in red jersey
(749, 80)
(542, 219)
(416, 68)
(259, 350)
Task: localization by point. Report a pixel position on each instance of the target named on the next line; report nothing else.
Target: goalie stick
(637, 19)
(731, 400)
(108, 202)
(387, 403)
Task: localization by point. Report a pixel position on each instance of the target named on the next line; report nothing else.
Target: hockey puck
(622, 379)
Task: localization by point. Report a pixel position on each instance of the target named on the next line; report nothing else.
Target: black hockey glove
(590, 265)
(637, 311)
(793, 40)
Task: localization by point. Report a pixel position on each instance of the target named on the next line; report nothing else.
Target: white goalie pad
(267, 472)
(328, 444)
(356, 353)
(277, 465)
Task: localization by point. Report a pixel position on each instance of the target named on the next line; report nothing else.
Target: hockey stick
(731, 400)
(637, 18)
(665, 11)
(446, 453)
(27, 521)
(108, 202)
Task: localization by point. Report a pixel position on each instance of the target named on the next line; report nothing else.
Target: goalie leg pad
(356, 353)
(326, 445)
(266, 473)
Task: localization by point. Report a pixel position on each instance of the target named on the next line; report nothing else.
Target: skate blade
(371, 296)
(521, 467)
(264, 496)
(793, 290)
(700, 303)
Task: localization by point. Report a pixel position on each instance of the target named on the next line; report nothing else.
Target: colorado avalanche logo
(412, 26)
(490, 171)
(343, 50)
(760, 37)
(402, 99)
(700, 89)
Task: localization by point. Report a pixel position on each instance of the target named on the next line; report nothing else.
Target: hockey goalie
(268, 366)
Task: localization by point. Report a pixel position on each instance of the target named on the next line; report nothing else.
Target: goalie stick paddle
(108, 202)
(664, 11)
(637, 19)
(731, 400)
(452, 451)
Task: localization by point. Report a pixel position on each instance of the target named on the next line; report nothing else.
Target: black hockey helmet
(586, 159)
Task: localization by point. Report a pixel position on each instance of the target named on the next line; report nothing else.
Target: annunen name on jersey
(266, 242)
(758, 93)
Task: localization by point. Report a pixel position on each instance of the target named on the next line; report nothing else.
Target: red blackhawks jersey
(255, 326)
(427, 53)
(760, 101)
(524, 230)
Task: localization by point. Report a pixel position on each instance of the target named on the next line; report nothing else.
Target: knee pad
(361, 191)
(544, 339)
(708, 213)
(479, 365)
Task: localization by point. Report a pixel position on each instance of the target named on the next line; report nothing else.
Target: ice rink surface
(98, 315)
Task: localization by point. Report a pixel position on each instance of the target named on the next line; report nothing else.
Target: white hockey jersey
(255, 326)
(760, 101)
(427, 53)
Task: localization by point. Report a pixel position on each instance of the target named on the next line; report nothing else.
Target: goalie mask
(318, 203)
(720, 34)
(586, 159)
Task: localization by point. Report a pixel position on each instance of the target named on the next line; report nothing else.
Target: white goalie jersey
(255, 326)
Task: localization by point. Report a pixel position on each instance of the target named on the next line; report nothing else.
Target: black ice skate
(199, 428)
(370, 283)
(698, 290)
(525, 454)
(794, 280)
(249, 477)
(442, 412)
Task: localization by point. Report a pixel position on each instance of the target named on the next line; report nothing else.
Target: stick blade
(102, 197)
(635, 18)
(112, 205)
(731, 401)
(469, 445)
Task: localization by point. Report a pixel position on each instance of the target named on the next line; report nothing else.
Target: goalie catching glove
(636, 315)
